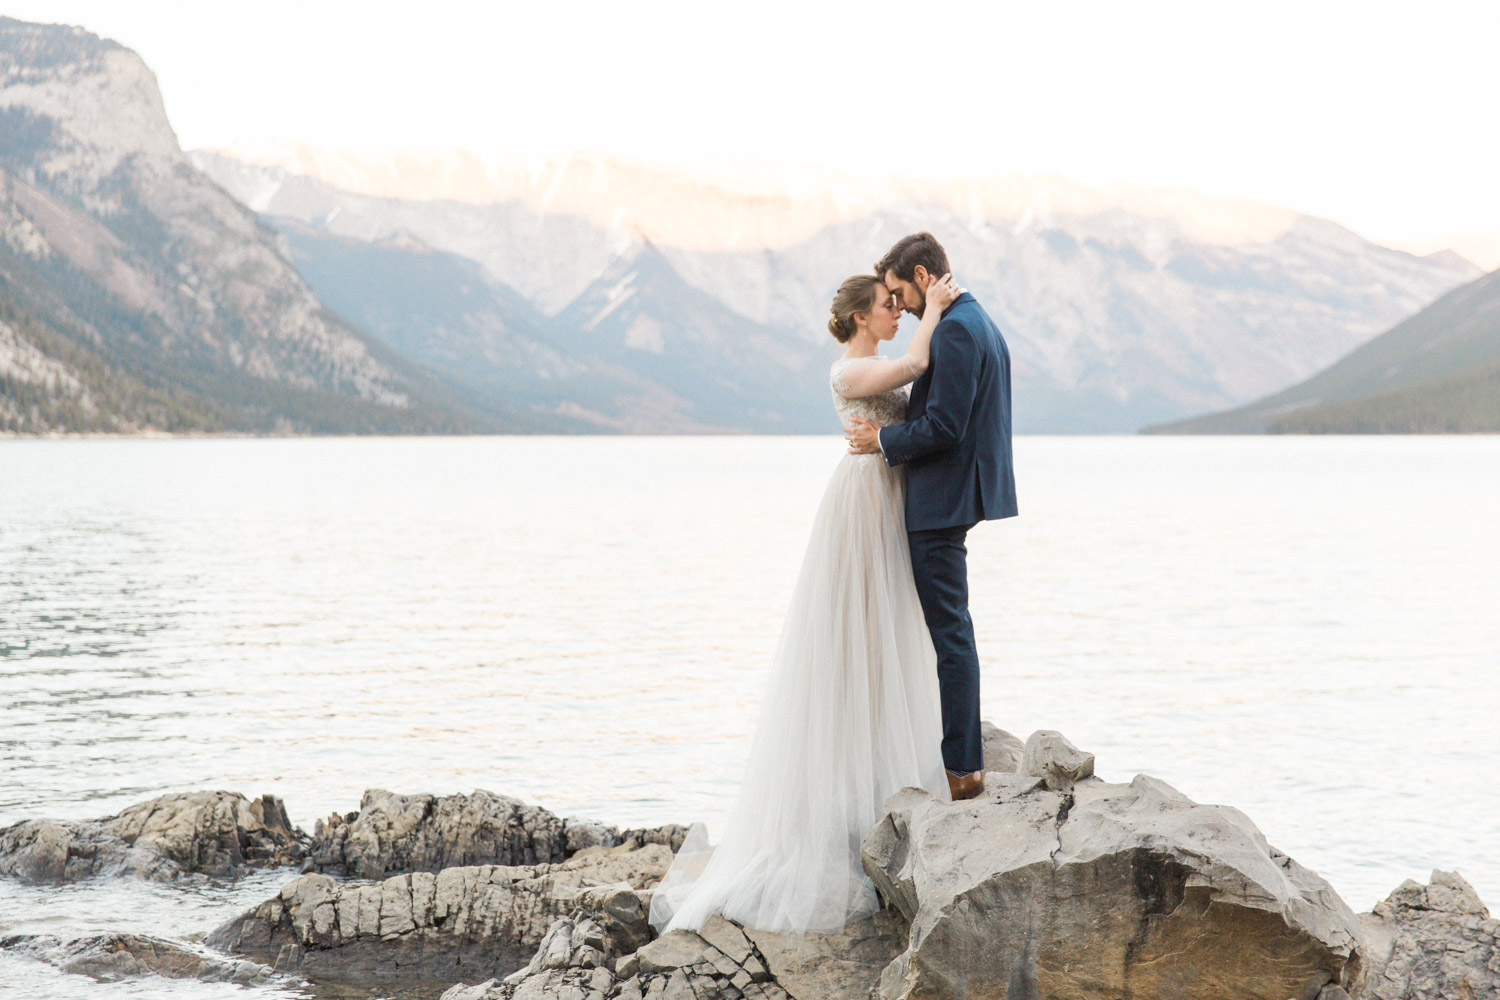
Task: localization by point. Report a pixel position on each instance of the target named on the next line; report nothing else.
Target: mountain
(1122, 305)
(1435, 372)
(694, 359)
(437, 309)
(136, 294)
(637, 350)
(1481, 248)
(1467, 403)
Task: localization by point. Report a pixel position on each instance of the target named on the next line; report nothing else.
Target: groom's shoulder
(968, 312)
(975, 313)
(958, 317)
(969, 303)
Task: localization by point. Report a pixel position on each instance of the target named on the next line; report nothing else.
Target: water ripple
(1277, 624)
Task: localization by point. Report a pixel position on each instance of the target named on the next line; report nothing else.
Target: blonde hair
(855, 295)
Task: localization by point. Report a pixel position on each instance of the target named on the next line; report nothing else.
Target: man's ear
(919, 276)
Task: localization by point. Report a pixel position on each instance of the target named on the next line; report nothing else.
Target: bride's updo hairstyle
(855, 295)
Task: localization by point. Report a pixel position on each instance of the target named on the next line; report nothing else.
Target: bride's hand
(941, 293)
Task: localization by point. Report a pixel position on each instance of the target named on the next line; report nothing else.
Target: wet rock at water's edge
(112, 957)
(469, 921)
(1052, 882)
(206, 832)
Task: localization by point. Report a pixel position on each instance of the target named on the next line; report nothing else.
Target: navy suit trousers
(939, 561)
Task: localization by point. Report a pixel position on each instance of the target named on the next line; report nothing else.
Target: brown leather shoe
(967, 786)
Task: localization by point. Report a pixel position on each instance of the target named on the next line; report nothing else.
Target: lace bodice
(884, 408)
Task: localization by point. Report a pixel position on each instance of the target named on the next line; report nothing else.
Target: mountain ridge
(603, 365)
(579, 295)
(112, 242)
(1115, 319)
(1432, 372)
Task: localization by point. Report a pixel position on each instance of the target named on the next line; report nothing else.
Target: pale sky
(1378, 115)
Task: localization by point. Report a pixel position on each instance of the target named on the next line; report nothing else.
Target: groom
(956, 447)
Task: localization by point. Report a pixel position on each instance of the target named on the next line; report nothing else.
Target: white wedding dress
(850, 715)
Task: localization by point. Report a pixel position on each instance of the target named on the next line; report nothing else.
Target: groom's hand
(862, 435)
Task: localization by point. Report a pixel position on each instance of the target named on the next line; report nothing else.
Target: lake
(1307, 629)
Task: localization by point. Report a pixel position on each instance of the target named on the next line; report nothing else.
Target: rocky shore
(1052, 884)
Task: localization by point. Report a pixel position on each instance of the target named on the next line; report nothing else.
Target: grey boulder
(208, 832)
(1048, 755)
(670, 835)
(576, 962)
(1101, 890)
(580, 960)
(1002, 751)
(718, 960)
(842, 965)
(427, 833)
(463, 922)
(112, 957)
(1432, 942)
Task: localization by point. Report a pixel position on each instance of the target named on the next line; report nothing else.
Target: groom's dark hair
(909, 251)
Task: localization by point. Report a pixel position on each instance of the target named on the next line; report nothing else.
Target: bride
(851, 711)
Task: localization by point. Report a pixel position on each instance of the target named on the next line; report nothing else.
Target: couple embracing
(874, 684)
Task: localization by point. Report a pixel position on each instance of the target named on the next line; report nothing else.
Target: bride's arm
(877, 375)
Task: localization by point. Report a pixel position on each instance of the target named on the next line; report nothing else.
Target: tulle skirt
(850, 715)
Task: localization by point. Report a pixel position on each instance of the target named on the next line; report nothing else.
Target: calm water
(1304, 628)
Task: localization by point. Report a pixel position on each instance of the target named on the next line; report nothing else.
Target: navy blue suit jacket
(955, 442)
